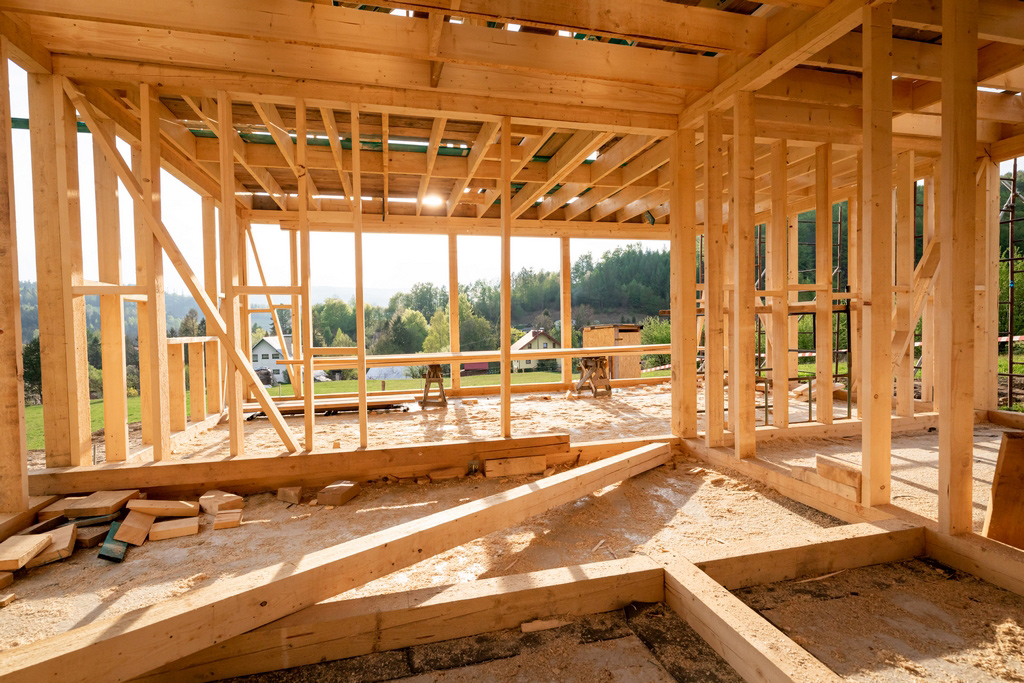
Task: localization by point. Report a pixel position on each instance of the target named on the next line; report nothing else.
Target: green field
(34, 414)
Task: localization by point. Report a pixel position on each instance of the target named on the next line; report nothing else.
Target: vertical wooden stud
(214, 397)
(741, 220)
(928, 309)
(176, 386)
(505, 334)
(683, 253)
(986, 284)
(140, 232)
(229, 237)
(823, 282)
(196, 382)
(906, 200)
(714, 281)
(357, 224)
(213, 374)
(453, 307)
(565, 292)
(778, 279)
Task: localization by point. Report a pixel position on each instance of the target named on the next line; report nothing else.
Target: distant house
(534, 339)
(266, 353)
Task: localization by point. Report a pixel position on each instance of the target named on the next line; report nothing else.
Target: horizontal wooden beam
(124, 647)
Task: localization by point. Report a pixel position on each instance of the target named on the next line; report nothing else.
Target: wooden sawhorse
(434, 376)
(594, 372)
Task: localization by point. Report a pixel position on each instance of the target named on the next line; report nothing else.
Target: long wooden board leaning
(121, 648)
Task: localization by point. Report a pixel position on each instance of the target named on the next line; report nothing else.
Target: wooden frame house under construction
(712, 125)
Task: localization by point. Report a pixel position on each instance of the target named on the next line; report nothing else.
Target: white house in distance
(266, 353)
(534, 339)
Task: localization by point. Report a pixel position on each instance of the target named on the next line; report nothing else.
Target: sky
(391, 262)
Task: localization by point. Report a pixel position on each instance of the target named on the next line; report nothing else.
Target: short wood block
(290, 494)
(215, 501)
(165, 508)
(135, 528)
(6, 579)
(1004, 518)
(810, 476)
(837, 470)
(173, 528)
(100, 503)
(62, 544)
(227, 519)
(338, 493)
(16, 551)
(91, 536)
(7, 599)
(113, 549)
(513, 467)
(447, 473)
(57, 509)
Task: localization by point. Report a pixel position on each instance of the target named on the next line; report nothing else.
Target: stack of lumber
(225, 507)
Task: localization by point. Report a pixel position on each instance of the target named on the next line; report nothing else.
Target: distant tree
(543, 321)
(403, 333)
(439, 337)
(284, 317)
(257, 334)
(476, 333)
(33, 371)
(94, 348)
(583, 316)
(342, 339)
(584, 266)
(517, 334)
(189, 324)
(656, 331)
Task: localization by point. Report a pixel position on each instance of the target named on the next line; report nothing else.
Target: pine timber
(505, 317)
(741, 247)
(339, 493)
(823, 360)
(714, 281)
(174, 528)
(350, 628)
(565, 305)
(215, 501)
(778, 279)
(151, 637)
(13, 522)
(227, 519)
(359, 300)
(454, 342)
(102, 502)
(16, 551)
(165, 508)
(1004, 518)
(514, 467)
(62, 544)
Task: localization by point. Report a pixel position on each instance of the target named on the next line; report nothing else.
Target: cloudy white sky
(392, 261)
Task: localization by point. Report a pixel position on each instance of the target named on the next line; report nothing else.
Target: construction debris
(227, 519)
(165, 508)
(91, 536)
(100, 503)
(338, 493)
(62, 544)
(7, 599)
(290, 494)
(135, 528)
(174, 528)
(216, 501)
(16, 551)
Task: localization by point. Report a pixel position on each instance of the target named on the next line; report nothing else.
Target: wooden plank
(135, 528)
(230, 274)
(13, 522)
(954, 300)
(454, 341)
(56, 509)
(565, 304)
(505, 318)
(174, 528)
(1004, 519)
(823, 359)
(176, 387)
(810, 476)
(360, 291)
(986, 272)
(112, 550)
(990, 560)
(338, 493)
(906, 201)
(387, 622)
(227, 519)
(875, 398)
(196, 382)
(810, 553)
(165, 508)
(751, 645)
(90, 536)
(215, 501)
(100, 503)
(62, 544)
(514, 467)
(304, 276)
(251, 475)
(14, 459)
(153, 637)
(715, 248)
(837, 470)
(684, 281)
(777, 277)
(6, 579)
(214, 375)
(16, 551)
(741, 226)
(214, 395)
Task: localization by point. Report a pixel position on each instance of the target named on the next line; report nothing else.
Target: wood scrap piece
(214, 501)
(338, 493)
(139, 640)
(165, 508)
(13, 522)
(16, 551)
(447, 473)
(113, 549)
(94, 521)
(470, 401)
(227, 519)
(62, 544)
(1004, 519)
(837, 470)
(541, 625)
(91, 536)
(100, 503)
(290, 494)
(808, 475)
(48, 524)
(7, 599)
(511, 467)
(174, 528)
(135, 528)
(6, 579)
(57, 509)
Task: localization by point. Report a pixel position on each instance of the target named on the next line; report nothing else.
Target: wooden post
(955, 292)
(906, 200)
(305, 278)
(229, 237)
(741, 222)
(176, 386)
(298, 321)
(62, 344)
(683, 252)
(244, 317)
(565, 290)
(142, 309)
(505, 334)
(357, 224)
(13, 456)
(778, 279)
(855, 261)
(196, 382)
(108, 240)
(876, 378)
(714, 282)
(928, 310)
(793, 256)
(453, 306)
(986, 271)
(823, 282)
(214, 396)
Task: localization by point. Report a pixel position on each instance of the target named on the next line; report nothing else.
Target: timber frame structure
(594, 118)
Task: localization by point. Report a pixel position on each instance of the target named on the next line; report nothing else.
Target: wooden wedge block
(100, 503)
(6, 579)
(806, 474)
(91, 536)
(837, 470)
(512, 467)
(135, 528)
(57, 509)
(290, 494)
(62, 544)
(42, 527)
(447, 473)
(112, 549)
(215, 501)
(173, 528)
(16, 551)
(338, 493)
(1004, 518)
(227, 519)
(7, 599)
(165, 508)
